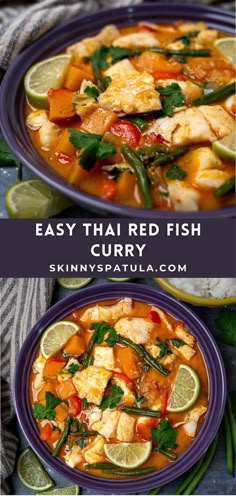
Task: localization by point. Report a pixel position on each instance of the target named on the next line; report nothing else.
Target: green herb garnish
(46, 412)
(177, 342)
(164, 348)
(73, 367)
(175, 172)
(92, 146)
(164, 435)
(173, 97)
(113, 398)
(91, 91)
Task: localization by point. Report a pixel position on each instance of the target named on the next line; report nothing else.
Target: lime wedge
(31, 473)
(128, 455)
(227, 46)
(33, 199)
(119, 279)
(185, 390)
(226, 147)
(73, 282)
(56, 336)
(72, 490)
(49, 73)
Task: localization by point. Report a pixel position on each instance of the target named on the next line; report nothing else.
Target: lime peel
(73, 282)
(128, 455)
(31, 473)
(185, 391)
(226, 147)
(56, 336)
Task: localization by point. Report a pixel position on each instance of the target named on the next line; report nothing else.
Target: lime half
(33, 199)
(49, 73)
(56, 336)
(227, 46)
(72, 490)
(185, 390)
(119, 279)
(128, 455)
(226, 147)
(73, 282)
(31, 473)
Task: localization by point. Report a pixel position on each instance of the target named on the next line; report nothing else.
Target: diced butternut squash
(61, 412)
(77, 174)
(151, 62)
(61, 104)
(65, 390)
(125, 186)
(74, 78)
(99, 121)
(64, 145)
(47, 387)
(52, 367)
(75, 346)
(127, 361)
(54, 437)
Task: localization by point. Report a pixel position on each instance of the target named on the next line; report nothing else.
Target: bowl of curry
(120, 382)
(129, 126)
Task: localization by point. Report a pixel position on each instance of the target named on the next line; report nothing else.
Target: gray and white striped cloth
(22, 303)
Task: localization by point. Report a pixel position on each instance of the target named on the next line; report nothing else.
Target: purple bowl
(216, 378)
(12, 95)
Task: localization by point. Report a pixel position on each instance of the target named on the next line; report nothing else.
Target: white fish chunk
(137, 40)
(186, 351)
(120, 69)
(128, 398)
(211, 178)
(108, 423)
(163, 317)
(182, 333)
(39, 364)
(192, 419)
(87, 46)
(104, 357)
(206, 36)
(39, 381)
(99, 313)
(48, 134)
(186, 27)
(73, 457)
(137, 329)
(219, 120)
(93, 415)
(125, 428)
(131, 93)
(95, 451)
(91, 383)
(189, 89)
(36, 119)
(182, 197)
(166, 361)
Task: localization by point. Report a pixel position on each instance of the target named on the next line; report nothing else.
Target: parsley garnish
(118, 53)
(73, 367)
(91, 91)
(165, 435)
(81, 443)
(175, 172)
(226, 325)
(173, 97)
(113, 398)
(98, 58)
(46, 412)
(93, 147)
(164, 349)
(177, 342)
(104, 330)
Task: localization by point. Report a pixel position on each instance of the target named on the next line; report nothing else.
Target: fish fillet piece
(49, 134)
(219, 120)
(182, 197)
(166, 361)
(125, 428)
(137, 40)
(36, 119)
(108, 423)
(100, 313)
(182, 333)
(91, 383)
(104, 357)
(137, 329)
(128, 398)
(95, 452)
(192, 419)
(186, 27)
(131, 93)
(163, 317)
(73, 457)
(189, 89)
(87, 46)
(120, 69)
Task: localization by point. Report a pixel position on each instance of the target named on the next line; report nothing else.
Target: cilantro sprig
(165, 437)
(164, 348)
(177, 343)
(91, 91)
(47, 411)
(92, 146)
(173, 97)
(175, 172)
(105, 333)
(113, 398)
(73, 367)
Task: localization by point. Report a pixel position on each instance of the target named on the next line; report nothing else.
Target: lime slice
(32, 199)
(73, 282)
(119, 279)
(185, 390)
(72, 490)
(128, 455)
(56, 336)
(226, 147)
(227, 46)
(31, 473)
(49, 73)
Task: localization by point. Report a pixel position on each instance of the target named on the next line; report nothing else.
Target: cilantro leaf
(73, 367)
(98, 58)
(46, 412)
(186, 38)
(88, 156)
(177, 342)
(175, 172)
(173, 98)
(164, 435)
(169, 90)
(118, 53)
(81, 443)
(164, 348)
(113, 398)
(104, 330)
(81, 140)
(107, 81)
(92, 146)
(226, 325)
(91, 91)
(105, 150)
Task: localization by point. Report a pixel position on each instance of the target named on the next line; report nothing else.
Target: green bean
(185, 52)
(225, 188)
(190, 476)
(144, 354)
(155, 490)
(74, 425)
(215, 96)
(86, 433)
(135, 347)
(91, 344)
(136, 471)
(228, 445)
(167, 158)
(100, 465)
(141, 174)
(231, 420)
(140, 411)
(63, 437)
(208, 459)
(169, 454)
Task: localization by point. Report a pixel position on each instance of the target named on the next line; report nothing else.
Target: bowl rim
(193, 299)
(12, 91)
(212, 358)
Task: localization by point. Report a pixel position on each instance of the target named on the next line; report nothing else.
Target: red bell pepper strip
(46, 432)
(127, 131)
(75, 405)
(154, 316)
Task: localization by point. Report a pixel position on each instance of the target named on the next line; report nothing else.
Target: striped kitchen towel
(21, 26)
(22, 303)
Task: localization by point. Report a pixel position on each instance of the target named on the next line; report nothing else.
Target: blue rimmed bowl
(216, 382)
